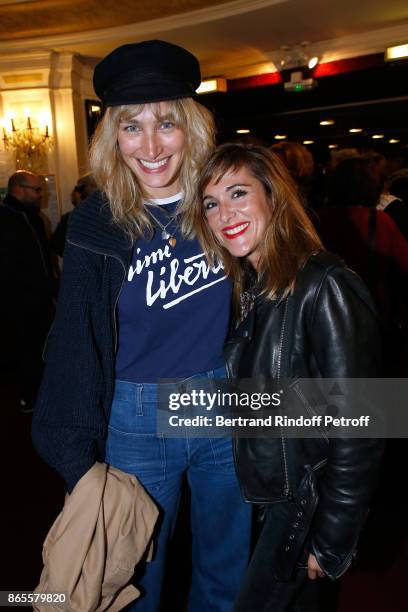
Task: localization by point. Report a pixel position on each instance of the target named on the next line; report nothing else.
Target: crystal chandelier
(29, 143)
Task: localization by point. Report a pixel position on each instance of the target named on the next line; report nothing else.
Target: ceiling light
(393, 140)
(355, 130)
(377, 136)
(212, 85)
(333, 146)
(296, 56)
(394, 53)
(306, 142)
(280, 136)
(242, 131)
(327, 122)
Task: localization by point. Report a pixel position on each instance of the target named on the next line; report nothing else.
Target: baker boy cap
(149, 71)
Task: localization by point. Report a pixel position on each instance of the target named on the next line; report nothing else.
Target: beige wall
(53, 86)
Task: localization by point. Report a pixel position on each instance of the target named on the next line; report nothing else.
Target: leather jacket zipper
(286, 490)
(278, 367)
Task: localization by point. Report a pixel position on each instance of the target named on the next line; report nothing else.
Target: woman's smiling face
(238, 211)
(153, 148)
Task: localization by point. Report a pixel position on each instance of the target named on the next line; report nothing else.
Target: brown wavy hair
(120, 185)
(297, 159)
(290, 237)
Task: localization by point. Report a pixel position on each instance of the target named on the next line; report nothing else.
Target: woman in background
(300, 163)
(371, 244)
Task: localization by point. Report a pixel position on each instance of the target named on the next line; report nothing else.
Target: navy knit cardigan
(72, 409)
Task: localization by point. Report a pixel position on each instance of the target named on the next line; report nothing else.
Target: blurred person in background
(397, 185)
(28, 282)
(84, 187)
(338, 155)
(390, 203)
(299, 161)
(370, 243)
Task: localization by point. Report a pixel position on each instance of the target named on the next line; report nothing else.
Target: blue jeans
(220, 520)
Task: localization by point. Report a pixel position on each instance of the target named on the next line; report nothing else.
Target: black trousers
(26, 330)
(261, 592)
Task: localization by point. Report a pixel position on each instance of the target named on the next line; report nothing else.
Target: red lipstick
(230, 234)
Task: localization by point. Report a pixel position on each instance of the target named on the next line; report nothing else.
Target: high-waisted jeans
(220, 520)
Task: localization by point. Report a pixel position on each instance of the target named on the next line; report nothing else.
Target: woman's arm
(346, 344)
(68, 424)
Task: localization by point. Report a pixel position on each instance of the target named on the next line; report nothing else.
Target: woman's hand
(313, 568)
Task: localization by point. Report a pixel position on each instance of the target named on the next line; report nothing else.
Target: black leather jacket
(333, 333)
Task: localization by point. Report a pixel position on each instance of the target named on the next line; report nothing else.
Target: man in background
(27, 282)
(84, 187)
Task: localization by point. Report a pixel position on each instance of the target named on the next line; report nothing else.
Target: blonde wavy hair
(290, 237)
(119, 184)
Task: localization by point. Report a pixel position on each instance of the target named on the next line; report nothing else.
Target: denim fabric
(220, 520)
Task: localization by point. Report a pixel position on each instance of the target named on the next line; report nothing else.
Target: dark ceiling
(375, 100)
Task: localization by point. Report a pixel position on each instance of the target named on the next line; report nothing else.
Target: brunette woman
(302, 314)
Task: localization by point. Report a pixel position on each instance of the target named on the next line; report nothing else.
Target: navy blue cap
(149, 71)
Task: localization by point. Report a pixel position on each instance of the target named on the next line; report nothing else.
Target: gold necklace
(164, 234)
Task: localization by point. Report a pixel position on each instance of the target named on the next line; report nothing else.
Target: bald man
(27, 283)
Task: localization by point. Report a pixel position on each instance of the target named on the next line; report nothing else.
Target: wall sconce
(93, 112)
(396, 53)
(29, 141)
(212, 85)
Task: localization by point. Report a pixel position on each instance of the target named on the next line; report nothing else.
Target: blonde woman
(301, 314)
(139, 303)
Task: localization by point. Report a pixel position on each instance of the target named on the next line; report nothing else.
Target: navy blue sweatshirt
(72, 410)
